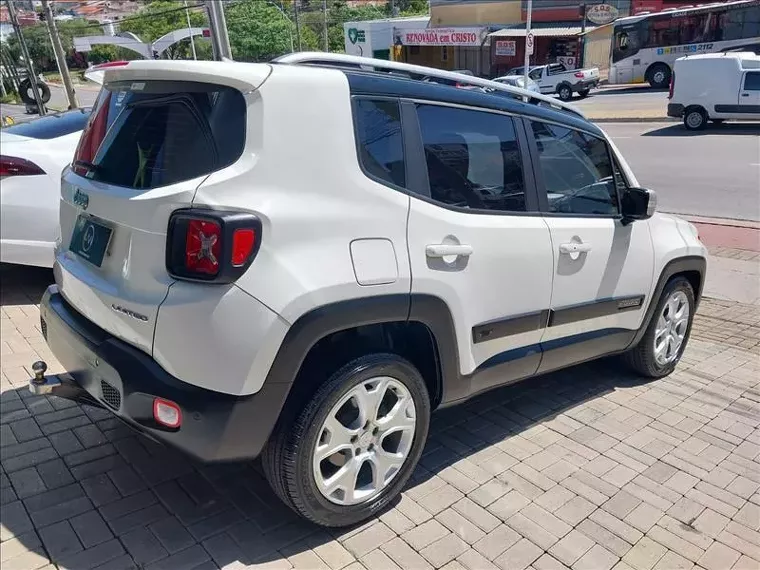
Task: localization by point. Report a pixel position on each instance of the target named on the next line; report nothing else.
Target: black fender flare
(677, 266)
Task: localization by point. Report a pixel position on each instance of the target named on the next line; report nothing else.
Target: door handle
(445, 250)
(745, 94)
(574, 247)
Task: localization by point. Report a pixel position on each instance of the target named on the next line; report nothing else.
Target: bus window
(626, 42)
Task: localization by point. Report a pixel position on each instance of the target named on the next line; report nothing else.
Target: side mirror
(638, 204)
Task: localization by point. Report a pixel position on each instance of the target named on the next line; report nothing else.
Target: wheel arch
(693, 268)
(362, 325)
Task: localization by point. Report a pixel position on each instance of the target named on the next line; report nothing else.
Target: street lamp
(290, 22)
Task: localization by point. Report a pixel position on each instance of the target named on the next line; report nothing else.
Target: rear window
(52, 126)
(156, 133)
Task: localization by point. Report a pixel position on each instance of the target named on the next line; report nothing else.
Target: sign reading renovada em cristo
(440, 37)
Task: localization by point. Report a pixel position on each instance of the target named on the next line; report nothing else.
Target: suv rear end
(130, 231)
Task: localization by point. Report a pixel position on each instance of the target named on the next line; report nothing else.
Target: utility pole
(60, 56)
(582, 46)
(189, 27)
(27, 59)
(528, 42)
(218, 24)
(298, 24)
(324, 12)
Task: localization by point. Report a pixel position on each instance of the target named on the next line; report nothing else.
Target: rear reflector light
(203, 244)
(579, 74)
(243, 241)
(672, 84)
(211, 246)
(167, 413)
(13, 166)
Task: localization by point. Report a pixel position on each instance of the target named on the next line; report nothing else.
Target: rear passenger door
(602, 266)
(476, 239)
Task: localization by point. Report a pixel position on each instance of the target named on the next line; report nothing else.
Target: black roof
(375, 83)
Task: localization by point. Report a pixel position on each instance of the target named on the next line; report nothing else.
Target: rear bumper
(584, 85)
(675, 110)
(215, 426)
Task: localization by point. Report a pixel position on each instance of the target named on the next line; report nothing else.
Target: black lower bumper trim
(215, 426)
(675, 110)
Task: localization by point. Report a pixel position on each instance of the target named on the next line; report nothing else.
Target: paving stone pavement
(589, 468)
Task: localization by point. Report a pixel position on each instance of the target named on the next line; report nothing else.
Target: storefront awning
(554, 32)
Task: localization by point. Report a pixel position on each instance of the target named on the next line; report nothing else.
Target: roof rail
(336, 60)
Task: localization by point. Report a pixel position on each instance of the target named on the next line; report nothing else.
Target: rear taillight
(672, 84)
(211, 246)
(92, 136)
(579, 74)
(14, 166)
(109, 64)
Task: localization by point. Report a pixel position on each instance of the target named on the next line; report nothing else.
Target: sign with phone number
(684, 49)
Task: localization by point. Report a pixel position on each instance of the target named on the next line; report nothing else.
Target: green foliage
(259, 30)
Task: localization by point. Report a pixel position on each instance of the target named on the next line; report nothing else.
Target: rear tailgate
(158, 130)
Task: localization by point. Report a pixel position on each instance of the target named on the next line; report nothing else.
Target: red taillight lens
(579, 74)
(108, 64)
(211, 246)
(93, 135)
(13, 166)
(672, 84)
(203, 246)
(243, 242)
(167, 413)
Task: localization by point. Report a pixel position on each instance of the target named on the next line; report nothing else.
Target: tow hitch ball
(39, 384)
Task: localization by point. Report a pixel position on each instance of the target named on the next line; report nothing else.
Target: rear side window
(473, 159)
(156, 133)
(379, 137)
(52, 126)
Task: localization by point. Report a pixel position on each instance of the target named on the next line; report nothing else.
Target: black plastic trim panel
(509, 326)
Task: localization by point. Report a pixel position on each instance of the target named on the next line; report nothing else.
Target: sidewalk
(590, 468)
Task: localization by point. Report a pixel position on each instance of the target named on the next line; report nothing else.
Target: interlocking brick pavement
(589, 468)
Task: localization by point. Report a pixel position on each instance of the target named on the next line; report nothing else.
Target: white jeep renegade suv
(303, 259)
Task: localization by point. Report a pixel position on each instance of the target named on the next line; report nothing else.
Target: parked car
(434, 79)
(519, 81)
(556, 78)
(34, 154)
(229, 303)
(715, 87)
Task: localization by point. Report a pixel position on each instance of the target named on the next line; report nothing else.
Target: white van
(715, 87)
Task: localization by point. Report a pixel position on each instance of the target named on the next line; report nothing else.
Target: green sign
(356, 35)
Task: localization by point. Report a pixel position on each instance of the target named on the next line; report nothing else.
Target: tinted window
(752, 81)
(381, 147)
(52, 126)
(576, 169)
(473, 159)
(160, 132)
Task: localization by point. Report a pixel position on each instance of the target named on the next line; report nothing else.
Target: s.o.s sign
(601, 14)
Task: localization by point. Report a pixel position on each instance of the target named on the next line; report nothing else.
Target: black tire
(658, 76)
(287, 459)
(695, 118)
(27, 95)
(583, 93)
(565, 92)
(641, 357)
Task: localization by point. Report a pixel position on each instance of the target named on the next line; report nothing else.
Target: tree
(163, 16)
(259, 31)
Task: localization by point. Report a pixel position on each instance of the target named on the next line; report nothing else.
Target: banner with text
(472, 37)
(506, 47)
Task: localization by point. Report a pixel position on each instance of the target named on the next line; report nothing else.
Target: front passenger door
(749, 96)
(602, 266)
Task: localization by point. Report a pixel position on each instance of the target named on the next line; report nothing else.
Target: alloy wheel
(364, 441)
(672, 325)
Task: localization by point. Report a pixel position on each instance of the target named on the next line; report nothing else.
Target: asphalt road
(612, 100)
(712, 173)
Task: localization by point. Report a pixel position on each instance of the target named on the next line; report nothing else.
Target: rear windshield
(157, 133)
(52, 126)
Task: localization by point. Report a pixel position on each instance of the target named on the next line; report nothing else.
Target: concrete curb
(749, 224)
(633, 120)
